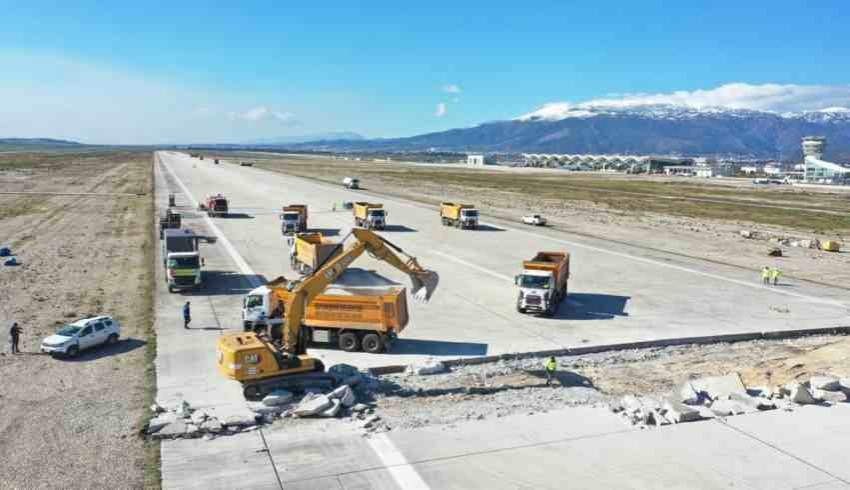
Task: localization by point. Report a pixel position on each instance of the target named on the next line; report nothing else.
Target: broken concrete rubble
(277, 398)
(157, 423)
(344, 394)
(183, 409)
(263, 409)
(174, 429)
(679, 412)
(430, 366)
(198, 417)
(830, 396)
(239, 420)
(212, 425)
(828, 383)
(719, 387)
(799, 394)
(333, 410)
(312, 406)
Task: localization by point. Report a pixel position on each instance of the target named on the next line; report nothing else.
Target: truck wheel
(318, 366)
(251, 392)
(372, 343)
(520, 309)
(348, 342)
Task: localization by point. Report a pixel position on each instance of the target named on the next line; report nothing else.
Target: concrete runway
(617, 294)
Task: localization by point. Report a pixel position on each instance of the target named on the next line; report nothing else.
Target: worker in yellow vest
(551, 366)
(765, 276)
(774, 275)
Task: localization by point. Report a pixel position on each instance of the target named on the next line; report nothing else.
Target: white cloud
(257, 114)
(451, 89)
(766, 97)
(441, 109)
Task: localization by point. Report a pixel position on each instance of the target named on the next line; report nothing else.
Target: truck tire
(372, 343)
(349, 342)
(520, 309)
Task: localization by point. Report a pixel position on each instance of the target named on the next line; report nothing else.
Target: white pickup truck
(534, 219)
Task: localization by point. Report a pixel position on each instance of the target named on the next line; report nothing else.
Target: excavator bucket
(424, 284)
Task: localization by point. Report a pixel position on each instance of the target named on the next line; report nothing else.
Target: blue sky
(154, 73)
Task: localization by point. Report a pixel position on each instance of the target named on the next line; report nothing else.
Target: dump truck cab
(371, 216)
(543, 283)
(293, 219)
(182, 259)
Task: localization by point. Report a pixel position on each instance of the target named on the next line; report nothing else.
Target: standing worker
(187, 316)
(551, 366)
(765, 276)
(774, 274)
(14, 336)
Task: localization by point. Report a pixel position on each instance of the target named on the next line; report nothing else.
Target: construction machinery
(293, 219)
(182, 259)
(543, 283)
(370, 215)
(459, 215)
(308, 250)
(351, 182)
(263, 363)
(169, 220)
(216, 205)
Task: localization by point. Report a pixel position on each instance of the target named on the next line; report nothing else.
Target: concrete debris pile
(787, 241)
(725, 396)
(184, 421)
(430, 366)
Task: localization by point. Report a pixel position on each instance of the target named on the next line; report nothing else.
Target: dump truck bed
(382, 311)
(361, 209)
(556, 262)
(452, 210)
(312, 249)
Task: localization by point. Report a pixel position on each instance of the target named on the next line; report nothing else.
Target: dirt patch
(74, 423)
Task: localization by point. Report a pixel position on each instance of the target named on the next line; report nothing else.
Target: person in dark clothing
(187, 316)
(14, 337)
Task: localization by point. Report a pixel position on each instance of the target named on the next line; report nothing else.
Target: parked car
(534, 219)
(83, 334)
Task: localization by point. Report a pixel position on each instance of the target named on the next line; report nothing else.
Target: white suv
(81, 335)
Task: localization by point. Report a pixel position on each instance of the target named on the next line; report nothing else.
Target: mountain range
(643, 130)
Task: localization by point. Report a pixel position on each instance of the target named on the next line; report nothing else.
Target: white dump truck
(543, 283)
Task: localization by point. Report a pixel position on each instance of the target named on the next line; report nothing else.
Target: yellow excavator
(264, 363)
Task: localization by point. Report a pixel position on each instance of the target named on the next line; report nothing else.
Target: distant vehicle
(351, 182)
(293, 219)
(543, 283)
(246, 164)
(83, 334)
(370, 215)
(169, 220)
(534, 219)
(216, 161)
(216, 205)
(459, 215)
(761, 181)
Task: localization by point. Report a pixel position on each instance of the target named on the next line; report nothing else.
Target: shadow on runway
(205, 328)
(325, 231)
(222, 283)
(397, 228)
(590, 306)
(122, 346)
(438, 348)
(488, 228)
(237, 216)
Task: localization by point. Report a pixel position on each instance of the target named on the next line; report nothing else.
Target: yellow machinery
(265, 364)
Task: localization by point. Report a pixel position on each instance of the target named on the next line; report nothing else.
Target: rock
(174, 429)
(333, 410)
(657, 418)
(752, 403)
(725, 408)
(198, 417)
(192, 431)
(157, 423)
(774, 252)
(157, 409)
(183, 409)
(360, 407)
(212, 425)
(312, 391)
(312, 406)
(705, 412)
(844, 384)
(263, 409)
(342, 371)
(687, 395)
(240, 420)
(747, 234)
(344, 394)
(370, 421)
(828, 383)
(719, 387)
(679, 412)
(277, 398)
(430, 366)
(830, 396)
(798, 393)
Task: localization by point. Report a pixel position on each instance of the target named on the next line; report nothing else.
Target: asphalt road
(617, 294)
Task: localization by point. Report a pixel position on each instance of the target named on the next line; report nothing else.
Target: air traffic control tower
(817, 169)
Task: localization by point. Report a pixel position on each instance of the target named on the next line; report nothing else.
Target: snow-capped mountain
(627, 128)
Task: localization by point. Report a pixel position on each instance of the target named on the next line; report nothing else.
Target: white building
(475, 159)
(818, 170)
